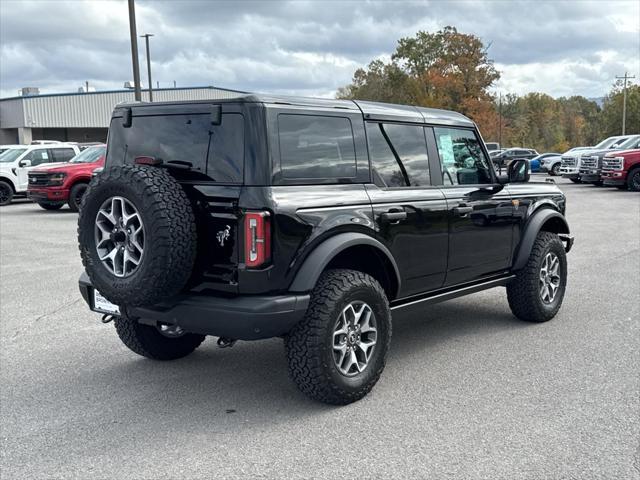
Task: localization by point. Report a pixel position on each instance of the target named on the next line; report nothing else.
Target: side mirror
(24, 163)
(518, 171)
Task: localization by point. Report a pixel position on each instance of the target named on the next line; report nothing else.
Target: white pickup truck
(17, 160)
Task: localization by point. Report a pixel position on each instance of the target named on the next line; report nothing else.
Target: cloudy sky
(309, 47)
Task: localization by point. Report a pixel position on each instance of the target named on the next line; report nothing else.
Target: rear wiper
(178, 164)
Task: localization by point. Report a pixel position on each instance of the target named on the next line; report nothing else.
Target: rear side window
(217, 150)
(62, 154)
(316, 147)
(398, 155)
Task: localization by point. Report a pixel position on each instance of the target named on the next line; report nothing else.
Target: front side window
(37, 157)
(462, 160)
(398, 155)
(316, 147)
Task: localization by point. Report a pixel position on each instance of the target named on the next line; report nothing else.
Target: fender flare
(6, 179)
(531, 230)
(313, 266)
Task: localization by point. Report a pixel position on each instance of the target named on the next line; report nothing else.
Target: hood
(624, 153)
(65, 167)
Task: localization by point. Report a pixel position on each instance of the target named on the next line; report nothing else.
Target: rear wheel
(51, 206)
(338, 351)
(633, 180)
(75, 196)
(166, 342)
(6, 193)
(536, 294)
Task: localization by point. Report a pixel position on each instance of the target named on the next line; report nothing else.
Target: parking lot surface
(469, 391)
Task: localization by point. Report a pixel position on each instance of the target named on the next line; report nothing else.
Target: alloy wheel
(354, 338)
(549, 277)
(119, 236)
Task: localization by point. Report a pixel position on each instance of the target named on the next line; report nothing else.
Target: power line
(624, 101)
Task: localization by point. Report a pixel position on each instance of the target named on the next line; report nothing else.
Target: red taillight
(257, 239)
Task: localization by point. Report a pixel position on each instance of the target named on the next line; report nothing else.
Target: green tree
(611, 117)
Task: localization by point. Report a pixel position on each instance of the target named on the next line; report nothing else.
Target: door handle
(393, 216)
(463, 210)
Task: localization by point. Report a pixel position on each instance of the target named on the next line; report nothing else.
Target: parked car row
(50, 173)
(614, 161)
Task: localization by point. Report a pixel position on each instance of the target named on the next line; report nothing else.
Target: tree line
(452, 70)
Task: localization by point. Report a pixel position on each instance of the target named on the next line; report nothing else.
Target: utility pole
(134, 50)
(146, 39)
(500, 119)
(624, 100)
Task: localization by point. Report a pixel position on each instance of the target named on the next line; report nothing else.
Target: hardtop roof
(370, 110)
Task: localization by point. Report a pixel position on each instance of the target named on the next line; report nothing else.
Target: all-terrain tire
(169, 234)
(523, 292)
(6, 193)
(309, 346)
(51, 206)
(633, 180)
(75, 196)
(147, 341)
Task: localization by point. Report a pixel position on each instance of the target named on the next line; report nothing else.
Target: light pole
(134, 50)
(146, 39)
(624, 101)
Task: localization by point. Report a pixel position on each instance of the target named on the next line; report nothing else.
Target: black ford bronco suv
(313, 220)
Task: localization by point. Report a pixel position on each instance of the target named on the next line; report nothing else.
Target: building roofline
(124, 90)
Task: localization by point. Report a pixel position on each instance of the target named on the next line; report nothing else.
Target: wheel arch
(9, 181)
(543, 220)
(351, 250)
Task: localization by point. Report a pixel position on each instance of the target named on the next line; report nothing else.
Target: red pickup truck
(53, 186)
(622, 169)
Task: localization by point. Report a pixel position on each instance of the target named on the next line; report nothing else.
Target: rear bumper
(48, 194)
(248, 317)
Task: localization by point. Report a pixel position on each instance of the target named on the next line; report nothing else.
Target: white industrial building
(80, 117)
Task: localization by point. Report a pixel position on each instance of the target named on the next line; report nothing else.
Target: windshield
(629, 143)
(90, 155)
(606, 143)
(11, 154)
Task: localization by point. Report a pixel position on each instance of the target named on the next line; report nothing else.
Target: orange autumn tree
(446, 69)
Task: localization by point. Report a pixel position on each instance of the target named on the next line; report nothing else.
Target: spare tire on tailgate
(137, 235)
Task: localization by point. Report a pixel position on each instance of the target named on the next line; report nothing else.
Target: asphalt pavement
(468, 392)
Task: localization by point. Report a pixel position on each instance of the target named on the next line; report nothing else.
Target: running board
(442, 295)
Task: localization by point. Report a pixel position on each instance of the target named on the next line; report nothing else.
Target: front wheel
(633, 180)
(51, 206)
(555, 170)
(165, 342)
(75, 196)
(6, 193)
(536, 294)
(337, 353)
